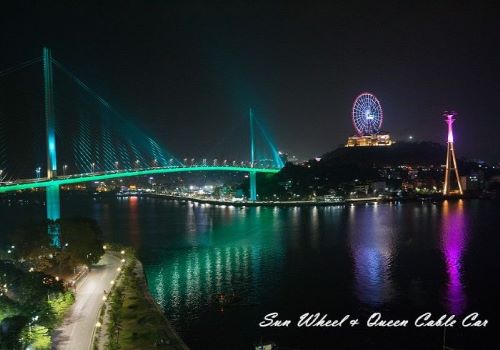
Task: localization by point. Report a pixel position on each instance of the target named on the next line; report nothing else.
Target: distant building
(381, 139)
(473, 182)
(361, 189)
(378, 186)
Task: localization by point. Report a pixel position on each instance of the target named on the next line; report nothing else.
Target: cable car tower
(451, 160)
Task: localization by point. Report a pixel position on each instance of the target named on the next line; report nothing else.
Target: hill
(401, 153)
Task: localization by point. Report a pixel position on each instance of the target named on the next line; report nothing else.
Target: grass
(140, 322)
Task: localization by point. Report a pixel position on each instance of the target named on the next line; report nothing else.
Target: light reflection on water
(453, 245)
(371, 239)
(189, 283)
(335, 259)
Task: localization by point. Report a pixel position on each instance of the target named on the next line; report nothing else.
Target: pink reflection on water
(371, 242)
(453, 244)
(133, 218)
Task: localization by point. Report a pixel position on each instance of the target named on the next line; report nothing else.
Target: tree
(36, 336)
(33, 245)
(10, 328)
(26, 288)
(8, 308)
(60, 303)
(81, 241)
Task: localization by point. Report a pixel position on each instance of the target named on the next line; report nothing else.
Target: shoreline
(301, 203)
(140, 319)
(143, 284)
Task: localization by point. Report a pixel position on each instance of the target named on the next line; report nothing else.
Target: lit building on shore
(380, 139)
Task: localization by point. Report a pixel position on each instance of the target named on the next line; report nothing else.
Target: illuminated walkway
(76, 331)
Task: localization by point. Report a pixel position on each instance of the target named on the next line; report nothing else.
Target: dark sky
(188, 69)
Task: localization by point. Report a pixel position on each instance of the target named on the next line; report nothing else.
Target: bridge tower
(451, 161)
(252, 174)
(53, 204)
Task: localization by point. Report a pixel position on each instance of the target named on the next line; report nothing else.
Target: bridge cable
(19, 66)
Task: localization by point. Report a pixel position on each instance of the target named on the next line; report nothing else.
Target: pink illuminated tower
(451, 160)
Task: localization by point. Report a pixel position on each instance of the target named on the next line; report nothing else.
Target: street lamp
(92, 167)
(116, 165)
(37, 172)
(65, 167)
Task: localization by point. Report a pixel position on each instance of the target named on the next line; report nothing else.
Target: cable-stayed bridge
(52, 136)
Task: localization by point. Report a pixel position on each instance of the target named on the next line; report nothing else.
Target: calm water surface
(401, 260)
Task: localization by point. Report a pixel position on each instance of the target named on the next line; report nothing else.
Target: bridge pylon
(52, 200)
(252, 174)
(253, 185)
(53, 204)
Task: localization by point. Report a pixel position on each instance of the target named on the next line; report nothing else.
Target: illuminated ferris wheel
(367, 114)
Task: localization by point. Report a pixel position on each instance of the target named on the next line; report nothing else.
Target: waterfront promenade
(295, 203)
(76, 331)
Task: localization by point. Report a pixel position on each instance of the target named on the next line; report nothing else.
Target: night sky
(187, 70)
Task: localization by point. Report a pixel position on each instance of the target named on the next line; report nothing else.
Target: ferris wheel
(367, 114)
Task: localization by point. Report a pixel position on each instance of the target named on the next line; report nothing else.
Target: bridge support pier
(253, 185)
(52, 192)
(53, 206)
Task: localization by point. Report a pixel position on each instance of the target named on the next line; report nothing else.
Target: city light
(355, 224)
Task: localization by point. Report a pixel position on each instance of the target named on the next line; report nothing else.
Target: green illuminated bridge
(74, 179)
(93, 142)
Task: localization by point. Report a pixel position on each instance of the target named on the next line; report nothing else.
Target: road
(76, 331)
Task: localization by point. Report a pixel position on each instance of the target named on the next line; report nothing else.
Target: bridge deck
(73, 179)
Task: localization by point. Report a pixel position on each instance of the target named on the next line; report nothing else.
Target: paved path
(76, 331)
